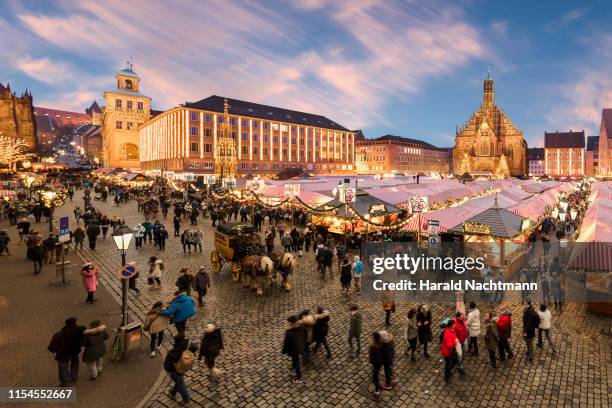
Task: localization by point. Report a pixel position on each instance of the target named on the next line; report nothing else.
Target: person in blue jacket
(180, 310)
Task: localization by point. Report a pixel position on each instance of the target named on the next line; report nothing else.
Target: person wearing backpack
(178, 361)
(504, 328)
(531, 321)
(357, 272)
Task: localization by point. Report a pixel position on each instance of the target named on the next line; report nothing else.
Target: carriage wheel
(235, 272)
(215, 261)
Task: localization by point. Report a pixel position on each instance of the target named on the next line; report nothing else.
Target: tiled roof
(503, 223)
(535, 153)
(44, 124)
(93, 108)
(214, 103)
(402, 139)
(359, 136)
(560, 140)
(592, 143)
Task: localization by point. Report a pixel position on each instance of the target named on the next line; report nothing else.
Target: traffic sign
(64, 229)
(434, 240)
(433, 227)
(128, 270)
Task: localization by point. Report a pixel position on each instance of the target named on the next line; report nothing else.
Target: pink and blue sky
(411, 68)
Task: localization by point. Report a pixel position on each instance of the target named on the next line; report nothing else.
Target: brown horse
(285, 263)
(259, 269)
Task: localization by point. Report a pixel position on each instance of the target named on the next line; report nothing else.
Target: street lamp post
(122, 239)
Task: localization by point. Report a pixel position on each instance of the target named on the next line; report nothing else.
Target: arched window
(128, 84)
(131, 151)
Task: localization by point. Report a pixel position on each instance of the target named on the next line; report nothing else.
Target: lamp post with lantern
(122, 239)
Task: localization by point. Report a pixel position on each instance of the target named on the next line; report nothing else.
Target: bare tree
(13, 150)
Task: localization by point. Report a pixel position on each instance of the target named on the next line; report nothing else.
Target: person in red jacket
(461, 331)
(449, 349)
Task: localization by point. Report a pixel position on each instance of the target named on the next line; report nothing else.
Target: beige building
(126, 109)
(267, 139)
(396, 154)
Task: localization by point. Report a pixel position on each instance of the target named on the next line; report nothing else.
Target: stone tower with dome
(125, 110)
(489, 144)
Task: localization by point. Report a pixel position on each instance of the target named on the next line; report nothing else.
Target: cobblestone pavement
(257, 375)
(33, 308)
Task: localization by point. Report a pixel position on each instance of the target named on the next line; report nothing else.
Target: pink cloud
(189, 50)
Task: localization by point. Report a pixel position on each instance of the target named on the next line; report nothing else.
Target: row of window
(129, 105)
(195, 117)
(194, 147)
(565, 154)
(128, 125)
(194, 131)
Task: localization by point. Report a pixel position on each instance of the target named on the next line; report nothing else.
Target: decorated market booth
(363, 213)
(592, 255)
(498, 235)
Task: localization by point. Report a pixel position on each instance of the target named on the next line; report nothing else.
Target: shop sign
(418, 204)
(378, 208)
(525, 224)
(476, 228)
(292, 190)
(349, 194)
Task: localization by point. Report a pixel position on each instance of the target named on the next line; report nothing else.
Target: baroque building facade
(490, 144)
(125, 111)
(17, 116)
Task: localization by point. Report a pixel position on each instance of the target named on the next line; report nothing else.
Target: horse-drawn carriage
(239, 252)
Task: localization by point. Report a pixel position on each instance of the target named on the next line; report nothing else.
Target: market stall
(498, 235)
(363, 215)
(592, 254)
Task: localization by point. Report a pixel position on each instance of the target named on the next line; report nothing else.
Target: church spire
(488, 94)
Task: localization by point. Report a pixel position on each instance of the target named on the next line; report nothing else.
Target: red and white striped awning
(592, 256)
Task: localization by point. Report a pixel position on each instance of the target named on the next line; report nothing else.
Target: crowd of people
(459, 335)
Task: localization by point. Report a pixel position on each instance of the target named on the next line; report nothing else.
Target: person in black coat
(346, 275)
(295, 345)
(382, 354)
(66, 347)
(93, 231)
(424, 327)
(173, 357)
(320, 330)
(212, 344)
(94, 348)
(531, 321)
